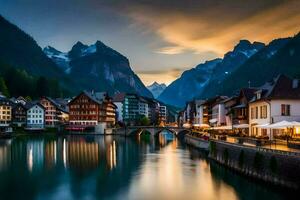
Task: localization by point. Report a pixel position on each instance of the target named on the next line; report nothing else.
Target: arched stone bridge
(153, 130)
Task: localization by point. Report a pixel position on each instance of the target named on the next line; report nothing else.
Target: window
(263, 112)
(256, 112)
(285, 110)
(258, 95)
(252, 113)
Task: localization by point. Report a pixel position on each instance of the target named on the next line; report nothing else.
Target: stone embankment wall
(277, 167)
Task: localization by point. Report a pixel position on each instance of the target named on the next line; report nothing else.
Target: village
(87, 111)
(258, 116)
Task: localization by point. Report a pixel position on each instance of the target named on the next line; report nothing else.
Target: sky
(161, 39)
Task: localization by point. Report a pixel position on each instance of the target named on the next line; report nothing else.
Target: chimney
(295, 83)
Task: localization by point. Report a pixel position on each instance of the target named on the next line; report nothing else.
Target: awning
(201, 125)
(241, 126)
(262, 125)
(186, 125)
(284, 124)
(213, 120)
(222, 128)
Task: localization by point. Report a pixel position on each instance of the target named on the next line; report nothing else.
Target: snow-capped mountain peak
(156, 89)
(60, 58)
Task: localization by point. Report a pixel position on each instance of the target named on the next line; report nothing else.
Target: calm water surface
(110, 167)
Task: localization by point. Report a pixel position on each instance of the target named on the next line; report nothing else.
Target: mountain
(281, 56)
(248, 64)
(232, 60)
(156, 89)
(207, 77)
(189, 84)
(60, 58)
(20, 50)
(98, 67)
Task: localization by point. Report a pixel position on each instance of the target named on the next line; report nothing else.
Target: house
(56, 113)
(92, 108)
(35, 116)
(5, 113)
(198, 119)
(63, 110)
(19, 114)
(214, 111)
(273, 102)
(189, 112)
(218, 115)
(18, 100)
(228, 104)
(239, 111)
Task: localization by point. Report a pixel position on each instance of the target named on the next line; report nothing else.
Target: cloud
(216, 26)
(170, 50)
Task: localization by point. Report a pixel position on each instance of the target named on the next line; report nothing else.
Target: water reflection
(96, 167)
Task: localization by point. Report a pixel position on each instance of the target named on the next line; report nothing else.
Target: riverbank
(272, 166)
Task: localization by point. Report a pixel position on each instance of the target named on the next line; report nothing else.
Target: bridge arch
(154, 130)
(165, 129)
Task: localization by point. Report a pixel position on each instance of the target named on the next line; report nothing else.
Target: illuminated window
(285, 110)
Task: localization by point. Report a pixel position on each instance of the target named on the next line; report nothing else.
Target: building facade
(35, 116)
(90, 109)
(55, 113)
(273, 102)
(19, 114)
(5, 112)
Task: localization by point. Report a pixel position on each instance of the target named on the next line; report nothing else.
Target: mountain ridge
(98, 67)
(156, 89)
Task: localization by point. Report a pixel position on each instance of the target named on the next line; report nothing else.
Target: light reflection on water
(111, 167)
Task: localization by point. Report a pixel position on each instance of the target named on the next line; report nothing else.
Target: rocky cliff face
(98, 67)
(189, 84)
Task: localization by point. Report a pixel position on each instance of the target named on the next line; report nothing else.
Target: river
(114, 167)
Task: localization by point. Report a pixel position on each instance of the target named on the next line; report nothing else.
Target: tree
(3, 87)
(144, 121)
(42, 87)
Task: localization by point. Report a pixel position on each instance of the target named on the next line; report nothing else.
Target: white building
(274, 102)
(35, 116)
(218, 113)
(199, 112)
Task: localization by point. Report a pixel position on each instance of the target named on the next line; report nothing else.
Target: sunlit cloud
(170, 50)
(201, 26)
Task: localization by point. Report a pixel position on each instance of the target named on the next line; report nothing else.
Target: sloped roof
(248, 93)
(4, 100)
(29, 105)
(58, 104)
(98, 97)
(280, 87)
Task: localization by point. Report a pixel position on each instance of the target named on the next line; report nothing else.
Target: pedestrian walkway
(281, 147)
